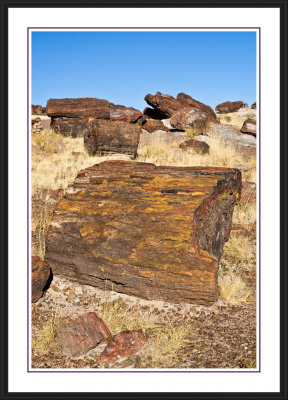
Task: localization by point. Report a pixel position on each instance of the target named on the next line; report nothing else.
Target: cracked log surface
(153, 232)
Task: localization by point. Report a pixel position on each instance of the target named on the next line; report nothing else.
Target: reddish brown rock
(153, 232)
(190, 118)
(40, 276)
(154, 114)
(164, 103)
(189, 102)
(126, 114)
(38, 109)
(229, 106)
(75, 108)
(72, 127)
(123, 344)
(249, 126)
(196, 145)
(153, 125)
(253, 106)
(112, 137)
(82, 334)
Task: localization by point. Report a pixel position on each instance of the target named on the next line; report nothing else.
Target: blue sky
(123, 67)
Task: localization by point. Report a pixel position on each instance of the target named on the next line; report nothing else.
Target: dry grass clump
(190, 133)
(48, 141)
(232, 288)
(42, 213)
(44, 337)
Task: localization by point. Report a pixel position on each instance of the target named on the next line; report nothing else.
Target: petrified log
(196, 145)
(253, 106)
(112, 137)
(154, 114)
(73, 127)
(190, 118)
(164, 103)
(249, 126)
(229, 106)
(188, 101)
(40, 276)
(122, 345)
(152, 125)
(37, 109)
(82, 334)
(153, 232)
(84, 107)
(126, 114)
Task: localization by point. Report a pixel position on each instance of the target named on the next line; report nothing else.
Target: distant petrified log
(154, 114)
(164, 103)
(249, 126)
(189, 102)
(152, 125)
(190, 118)
(196, 145)
(126, 114)
(253, 106)
(38, 109)
(73, 127)
(112, 137)
(229, 106)
(84, 107)
(40, 276)
(153, 232)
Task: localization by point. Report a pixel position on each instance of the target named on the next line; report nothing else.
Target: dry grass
(165, 338)
(222, 155)
(232, 288)
(43, 339)
(236, 119)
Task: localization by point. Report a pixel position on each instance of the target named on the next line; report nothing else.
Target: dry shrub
(48, 141)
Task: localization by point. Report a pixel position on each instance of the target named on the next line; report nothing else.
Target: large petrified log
(229, 106)
(153, 232)
(188, 101)
(164, 103)
(112, 137)
(83, 107)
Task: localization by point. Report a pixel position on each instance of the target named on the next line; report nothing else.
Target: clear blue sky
(123, 67)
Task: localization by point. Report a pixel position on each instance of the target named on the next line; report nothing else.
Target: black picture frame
(5, 6)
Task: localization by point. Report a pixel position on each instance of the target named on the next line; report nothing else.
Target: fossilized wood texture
(190, 118)
(126, 114)
(153, 232)
(229, 106)
(163, 103)
(112, 137)
(72, 127)
(40, 276)
(188, 101)
(84, 107)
